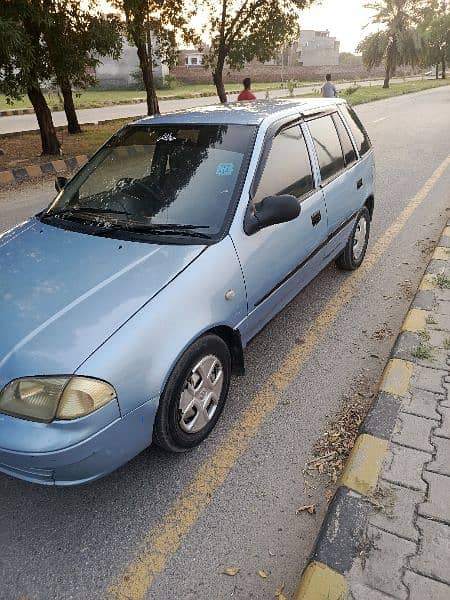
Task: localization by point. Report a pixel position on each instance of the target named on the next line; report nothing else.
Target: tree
(25, 62)
(398, 42)
(241, 30)
(348, 58)
(153, 27)
(85, 36)
(436, 39)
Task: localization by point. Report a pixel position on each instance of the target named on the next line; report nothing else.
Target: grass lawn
(369, 94)
(24, 148)
(98, 98)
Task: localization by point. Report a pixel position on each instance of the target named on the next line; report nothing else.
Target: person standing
(246, 93)
(328, 88)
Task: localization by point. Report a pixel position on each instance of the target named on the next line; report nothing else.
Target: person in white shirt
(328, 88)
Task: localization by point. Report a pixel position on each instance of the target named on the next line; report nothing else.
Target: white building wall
(117, 73)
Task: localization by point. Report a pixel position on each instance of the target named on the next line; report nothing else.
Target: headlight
(47, 398)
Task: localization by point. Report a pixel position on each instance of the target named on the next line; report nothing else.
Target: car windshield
(159, 178)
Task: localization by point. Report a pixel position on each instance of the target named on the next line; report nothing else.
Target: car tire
(356, 247)
(194, 395)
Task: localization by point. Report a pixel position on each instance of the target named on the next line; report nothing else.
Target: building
(119, 73)
(190, 57)
(316, 49)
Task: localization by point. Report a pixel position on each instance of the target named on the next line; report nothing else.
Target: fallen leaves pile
(332, 449)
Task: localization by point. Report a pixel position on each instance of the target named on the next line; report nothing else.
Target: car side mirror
(271, 211)
(60, 183)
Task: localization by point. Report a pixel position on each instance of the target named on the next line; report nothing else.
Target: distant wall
(272, 73)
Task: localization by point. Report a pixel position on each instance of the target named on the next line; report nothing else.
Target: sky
(344, 18)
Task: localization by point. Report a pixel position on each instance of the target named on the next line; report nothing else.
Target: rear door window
(288, 168)
(357, 128)
(328, 146)
(346, 143)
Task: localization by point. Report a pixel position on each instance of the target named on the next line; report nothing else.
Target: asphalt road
(171, 524)
(121, 111)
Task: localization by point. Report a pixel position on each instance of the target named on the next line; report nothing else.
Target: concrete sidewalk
(387, 531)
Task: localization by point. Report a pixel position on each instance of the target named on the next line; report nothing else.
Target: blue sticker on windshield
(225, 169)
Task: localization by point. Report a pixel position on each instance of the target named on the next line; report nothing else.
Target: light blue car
(127, 304)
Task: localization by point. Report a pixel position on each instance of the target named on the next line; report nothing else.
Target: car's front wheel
(356, 247)
(194, 395)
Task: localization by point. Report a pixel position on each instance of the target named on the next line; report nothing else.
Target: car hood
(62, 293)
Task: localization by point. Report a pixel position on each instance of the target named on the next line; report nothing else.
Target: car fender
(138, 359)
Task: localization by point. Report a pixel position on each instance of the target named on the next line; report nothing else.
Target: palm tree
(397, 43)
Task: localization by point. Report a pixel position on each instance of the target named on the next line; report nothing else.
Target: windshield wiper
(188, 230)
(92, 210)
(132, 226)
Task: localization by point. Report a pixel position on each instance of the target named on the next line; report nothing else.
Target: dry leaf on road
(262, 574)
(309, 508)
(231, 571)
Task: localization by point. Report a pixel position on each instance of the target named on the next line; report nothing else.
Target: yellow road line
(160, 543)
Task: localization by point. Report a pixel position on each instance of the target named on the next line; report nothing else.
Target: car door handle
(316, 217)
(359, 184)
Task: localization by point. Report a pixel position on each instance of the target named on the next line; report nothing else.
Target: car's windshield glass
(160, 177)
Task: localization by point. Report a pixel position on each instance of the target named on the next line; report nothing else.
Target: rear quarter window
(357, 128)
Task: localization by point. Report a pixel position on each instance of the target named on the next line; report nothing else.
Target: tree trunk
(437, 70)
(387, 76)
(444, 68)
(218, 82)
(69, 108)
(147, 77)
(49, 139)
(218, 76)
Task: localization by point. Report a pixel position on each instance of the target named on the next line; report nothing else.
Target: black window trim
(325, 182)
(360, 126)
(271, 133)
(348, 166)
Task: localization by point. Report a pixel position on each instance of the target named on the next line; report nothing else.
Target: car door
(274, 260)
(339, 193)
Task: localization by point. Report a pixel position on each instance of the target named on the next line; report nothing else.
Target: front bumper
(91, 458)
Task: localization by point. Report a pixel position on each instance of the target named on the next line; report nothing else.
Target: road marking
(380, 119)
(161, 543)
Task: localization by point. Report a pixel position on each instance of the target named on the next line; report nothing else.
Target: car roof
(243, 113)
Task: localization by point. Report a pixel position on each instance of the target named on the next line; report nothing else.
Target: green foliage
(85, 36)
(290, 85)
(23, 58)
(348, 58)
(153, 27)
(423, 351)
(242, 30)
(436, 40)
(44, 39)
(373, 49)
(351, 90)
(398, 40)
(442, 281)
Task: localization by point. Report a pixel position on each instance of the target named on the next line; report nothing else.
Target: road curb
(340, 538)
(22, 174)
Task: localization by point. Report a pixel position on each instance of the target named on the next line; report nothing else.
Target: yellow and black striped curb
(16, 111)
(341, 535)
(21, 174)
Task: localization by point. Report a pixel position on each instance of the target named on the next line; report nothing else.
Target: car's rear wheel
(194, 395)
(356, 247)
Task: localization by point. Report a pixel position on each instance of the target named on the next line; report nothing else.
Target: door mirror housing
(271, 211)
(60, 183)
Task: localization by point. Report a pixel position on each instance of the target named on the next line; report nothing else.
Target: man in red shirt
(246, 93)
